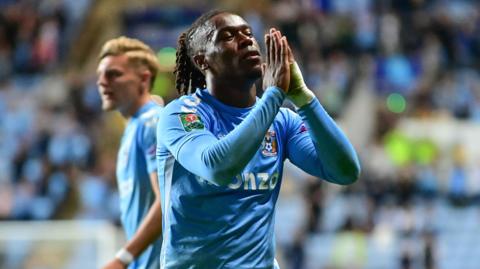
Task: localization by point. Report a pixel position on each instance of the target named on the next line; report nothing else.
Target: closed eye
(110, 74)
(226, 36)
(229, 33)
(248, 32)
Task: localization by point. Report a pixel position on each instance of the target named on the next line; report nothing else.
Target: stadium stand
(402, 78)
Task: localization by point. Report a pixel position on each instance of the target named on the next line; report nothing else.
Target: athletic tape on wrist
(124, 256)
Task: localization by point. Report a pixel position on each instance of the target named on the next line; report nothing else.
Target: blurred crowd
(391, 62)
(47, 123)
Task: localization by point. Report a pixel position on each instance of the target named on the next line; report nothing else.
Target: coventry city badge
(269, 144)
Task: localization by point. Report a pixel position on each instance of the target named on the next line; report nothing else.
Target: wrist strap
(298, 92)
(124, 256)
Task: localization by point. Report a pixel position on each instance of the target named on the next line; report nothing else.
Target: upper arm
(176, 128)
(148, 142)
(201, 152)
(148, 145)
(186, 138)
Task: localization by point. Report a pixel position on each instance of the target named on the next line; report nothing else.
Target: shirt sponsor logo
(249, 181)
(191, 121)
(269, 144)
(254, 181)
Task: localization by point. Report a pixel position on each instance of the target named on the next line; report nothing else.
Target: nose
(245, 40)
(101, 80)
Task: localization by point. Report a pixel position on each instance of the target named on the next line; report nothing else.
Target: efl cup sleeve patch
(191, 121)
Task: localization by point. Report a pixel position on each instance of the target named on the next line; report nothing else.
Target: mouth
(108, 96)
(251, 55)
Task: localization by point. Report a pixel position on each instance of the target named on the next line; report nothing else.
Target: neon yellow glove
(298, 92)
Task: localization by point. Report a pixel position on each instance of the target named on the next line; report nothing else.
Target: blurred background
(400, 76)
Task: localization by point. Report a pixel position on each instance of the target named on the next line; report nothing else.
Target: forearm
(339, 159)
(148, 232)
(222, 159)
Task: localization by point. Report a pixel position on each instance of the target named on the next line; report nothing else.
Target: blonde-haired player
(126, 71)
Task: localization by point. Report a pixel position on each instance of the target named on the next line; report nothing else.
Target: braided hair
(188, 76)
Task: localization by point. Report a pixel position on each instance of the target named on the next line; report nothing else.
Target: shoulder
(287, 111)
(151, 113)
(188, 104)
(147, 121)
(150, 116)
(183, 104)
(286, 114)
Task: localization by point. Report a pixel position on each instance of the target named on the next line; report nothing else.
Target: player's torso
(133, 180)
(263, 171)
(233, 220)
(135, 192)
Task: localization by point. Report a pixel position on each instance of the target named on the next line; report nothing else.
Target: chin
(255, 73)
(108, 106)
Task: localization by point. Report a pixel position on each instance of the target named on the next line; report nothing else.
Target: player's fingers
(281, 49)
(276, 48)
(268, 41)
(272, 49)
(272, 46)
(284, 51)
(291, 59)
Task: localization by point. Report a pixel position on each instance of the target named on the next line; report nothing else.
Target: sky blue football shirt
(135, 161)
(213, 218)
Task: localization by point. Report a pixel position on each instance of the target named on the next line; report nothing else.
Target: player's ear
(145, 78)
(201, 62)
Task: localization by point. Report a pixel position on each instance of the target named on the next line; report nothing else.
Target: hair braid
(187, 76)
(183, 66)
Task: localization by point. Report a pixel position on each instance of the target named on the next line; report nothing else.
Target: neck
(129, 111)
(233, 93)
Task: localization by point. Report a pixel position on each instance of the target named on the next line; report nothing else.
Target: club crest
(269, 144)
